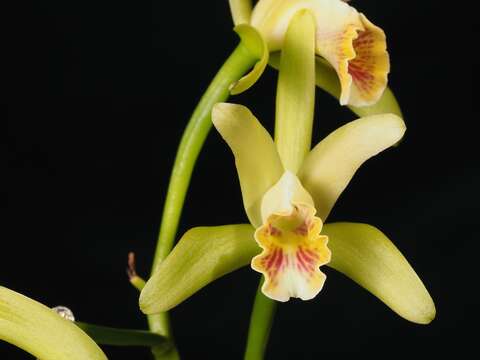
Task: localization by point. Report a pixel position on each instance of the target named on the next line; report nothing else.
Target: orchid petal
(326, 78)
(241, 11)
(253, 41)
(201, 256)
(368, 257)
(258, 164)
(328, 168)
(345, 38)
(41, 332)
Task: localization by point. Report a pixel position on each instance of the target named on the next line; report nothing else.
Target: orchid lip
(354, 47)
(293, 251)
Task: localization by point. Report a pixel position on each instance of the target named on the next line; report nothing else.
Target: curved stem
(260, 325)
(239, 62)
(192, 141)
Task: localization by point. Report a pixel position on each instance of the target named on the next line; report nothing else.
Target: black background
(96, 95)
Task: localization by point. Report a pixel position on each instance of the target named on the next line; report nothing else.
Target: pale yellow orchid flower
(286, 210)
(279, 207)
(345, 38)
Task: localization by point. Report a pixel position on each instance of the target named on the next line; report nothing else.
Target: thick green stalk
(239, 62)
(260, 325)
(293, 137)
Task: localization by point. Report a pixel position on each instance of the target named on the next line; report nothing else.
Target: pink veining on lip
(361, 67)
(293, 251)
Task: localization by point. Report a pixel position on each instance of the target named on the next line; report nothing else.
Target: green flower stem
(239, 62)
(121, 337)
(192, 141)
(260, 324)
(293, 136)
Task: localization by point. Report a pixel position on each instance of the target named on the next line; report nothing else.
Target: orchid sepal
(368, 257)
(295, 100)
(202, 255)
(41, 332)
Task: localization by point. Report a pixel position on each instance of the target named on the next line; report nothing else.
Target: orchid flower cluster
(288, 187)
